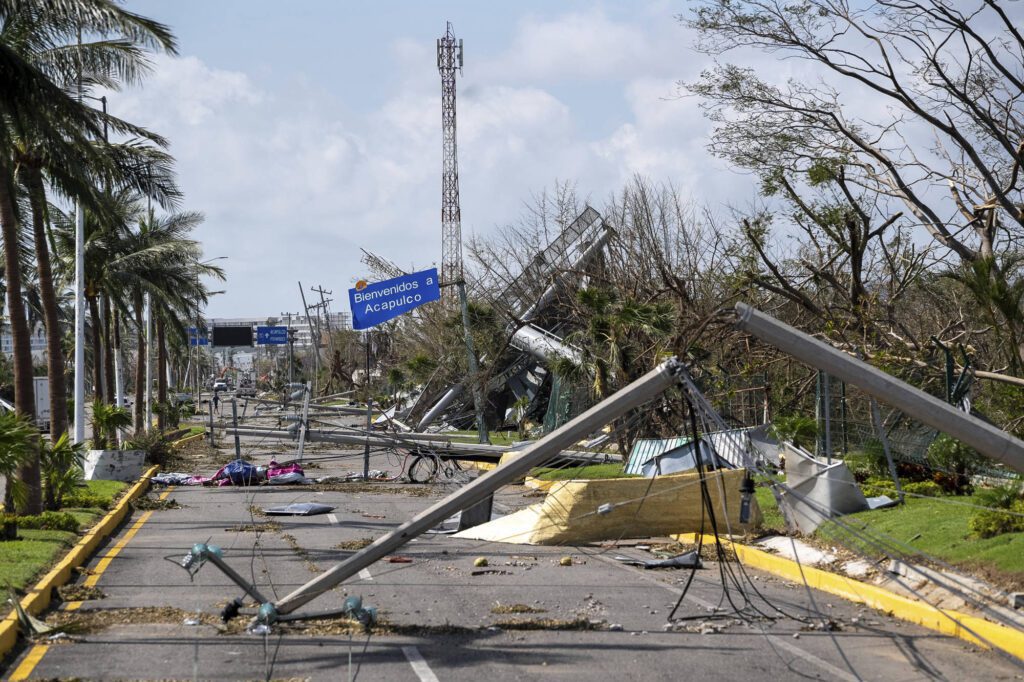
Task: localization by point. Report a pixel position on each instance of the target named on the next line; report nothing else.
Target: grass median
(938, 527)
(25, 559)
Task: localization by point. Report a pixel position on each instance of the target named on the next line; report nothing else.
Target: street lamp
(79, 433)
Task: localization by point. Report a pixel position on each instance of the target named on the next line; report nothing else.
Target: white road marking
(333, 519)
(835, 672)
(419, 665)
(365, 575)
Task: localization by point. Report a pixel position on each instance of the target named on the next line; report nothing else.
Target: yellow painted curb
(188, 439)
(38, 598)
(538, 484)
(945, 621)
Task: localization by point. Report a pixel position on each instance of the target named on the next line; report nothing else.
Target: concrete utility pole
(639, 392)
(987, 439)
(314, 337)
(327, 315)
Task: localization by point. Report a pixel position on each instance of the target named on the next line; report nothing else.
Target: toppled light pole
(987, 439)
(639, 392)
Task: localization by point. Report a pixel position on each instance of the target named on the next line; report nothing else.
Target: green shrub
(926, 488)
(878, 485)
(50, 520)
(157, 449)
(954, 463)
(799, 430)
(61, 467)
(84, 498)
(993, 521)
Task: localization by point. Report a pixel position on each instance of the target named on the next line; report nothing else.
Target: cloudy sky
(307, 130)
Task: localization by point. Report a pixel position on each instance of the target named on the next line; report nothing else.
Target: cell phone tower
(449, 59)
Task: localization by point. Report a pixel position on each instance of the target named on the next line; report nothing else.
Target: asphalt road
(451, 625)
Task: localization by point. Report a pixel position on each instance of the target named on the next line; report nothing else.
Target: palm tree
(124, 263)
(37, 112)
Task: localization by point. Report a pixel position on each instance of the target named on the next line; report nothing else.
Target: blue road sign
(379, 302)
(271, 336)
(197, 338)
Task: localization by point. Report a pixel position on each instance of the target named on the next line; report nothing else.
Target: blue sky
(307, 130)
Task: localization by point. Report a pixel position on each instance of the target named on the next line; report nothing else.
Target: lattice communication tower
(449, 59)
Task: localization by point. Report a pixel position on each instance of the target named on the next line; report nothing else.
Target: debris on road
(80, 593)
(299, 509)
(500, 608)
(686, 560)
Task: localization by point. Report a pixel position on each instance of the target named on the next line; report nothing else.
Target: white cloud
(293, 185)
(585, 45)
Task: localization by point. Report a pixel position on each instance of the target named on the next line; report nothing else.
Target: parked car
(220, 385)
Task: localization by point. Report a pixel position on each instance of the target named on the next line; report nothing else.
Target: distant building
(37, 341)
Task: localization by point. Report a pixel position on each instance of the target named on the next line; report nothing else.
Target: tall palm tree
(125, 262)
(35, 108)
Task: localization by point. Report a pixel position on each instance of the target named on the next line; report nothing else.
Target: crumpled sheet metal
(642, 508)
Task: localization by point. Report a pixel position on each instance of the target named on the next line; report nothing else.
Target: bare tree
(905, 105)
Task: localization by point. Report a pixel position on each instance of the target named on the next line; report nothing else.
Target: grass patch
(86, 516)
(101, 494)
(590, 471)
(21, 561)
(940, 529)
(773, 519)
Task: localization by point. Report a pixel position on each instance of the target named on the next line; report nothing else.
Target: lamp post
(79, 431)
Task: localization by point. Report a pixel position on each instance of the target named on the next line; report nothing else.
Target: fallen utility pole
(482, 452)
(987, 439)
(639, 392)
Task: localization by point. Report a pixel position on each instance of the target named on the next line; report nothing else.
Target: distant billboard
(232, 336)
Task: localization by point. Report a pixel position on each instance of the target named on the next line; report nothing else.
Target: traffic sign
(197, 337)
(271, 336)
(379, 302)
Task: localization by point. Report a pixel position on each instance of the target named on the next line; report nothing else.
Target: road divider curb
(974, 629)
(39, 596)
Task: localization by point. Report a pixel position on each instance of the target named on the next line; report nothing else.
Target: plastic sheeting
(611, 509)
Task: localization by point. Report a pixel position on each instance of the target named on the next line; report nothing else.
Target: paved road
(453, 632)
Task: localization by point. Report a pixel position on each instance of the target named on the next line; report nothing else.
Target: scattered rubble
(80, 593)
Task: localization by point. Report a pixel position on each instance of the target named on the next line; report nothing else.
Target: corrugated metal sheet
(644, 449)
(732, 446)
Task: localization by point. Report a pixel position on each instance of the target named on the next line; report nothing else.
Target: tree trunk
(108, 356)
(48, 300)
(140, 367)
(161, 373)
(24, 398)
(97, 350)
